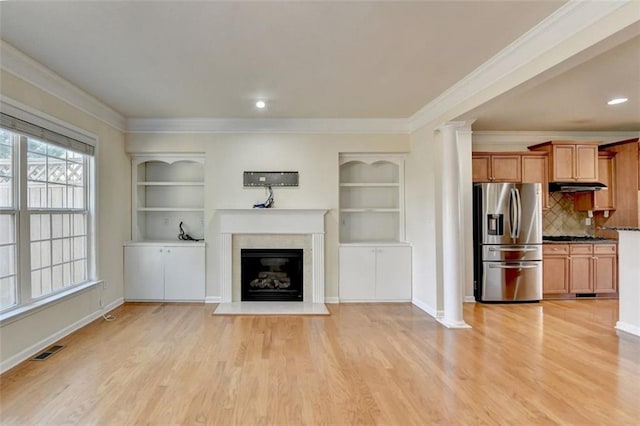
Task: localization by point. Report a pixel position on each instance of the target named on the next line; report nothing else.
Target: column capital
(456, 125)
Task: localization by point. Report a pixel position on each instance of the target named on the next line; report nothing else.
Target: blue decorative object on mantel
(268, 203)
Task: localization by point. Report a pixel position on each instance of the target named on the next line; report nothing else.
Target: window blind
(45, 135)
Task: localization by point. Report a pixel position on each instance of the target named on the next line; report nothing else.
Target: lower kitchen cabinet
(171, 272)
(370, 273)
(555, 268)
(579, 268)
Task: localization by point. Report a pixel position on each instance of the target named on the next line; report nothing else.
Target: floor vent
(47, 353)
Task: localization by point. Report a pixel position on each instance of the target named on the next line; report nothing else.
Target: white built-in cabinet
(375, 273)
(166, 189)
(171, 272)
(375, 262)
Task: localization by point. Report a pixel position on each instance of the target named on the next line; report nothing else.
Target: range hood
(575, 186)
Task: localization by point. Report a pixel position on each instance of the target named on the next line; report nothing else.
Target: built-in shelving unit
(375, 262)
(167, 189)
(371, 198)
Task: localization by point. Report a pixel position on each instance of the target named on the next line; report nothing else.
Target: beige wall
(422, 172)
(227, 156)
(113, 225)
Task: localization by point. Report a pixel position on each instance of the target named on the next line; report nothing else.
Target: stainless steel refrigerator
(507, 239)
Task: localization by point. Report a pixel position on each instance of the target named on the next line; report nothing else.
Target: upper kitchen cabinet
(496, 167)
(605, 199)
(535, 170)
(571, 161)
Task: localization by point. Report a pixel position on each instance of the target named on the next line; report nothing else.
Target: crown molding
(568, 21)
(267, 125)
(531, 137)
(31, 71)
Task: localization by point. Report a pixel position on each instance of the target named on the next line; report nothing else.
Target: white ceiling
(574, 94)
(306, 59)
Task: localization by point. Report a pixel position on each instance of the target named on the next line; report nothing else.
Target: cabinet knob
(160, 250)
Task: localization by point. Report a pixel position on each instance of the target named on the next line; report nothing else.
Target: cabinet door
(184, 273)
(506, 168)
(534, 170)
(143, 273)
(393, 273)
(563, 163)
(480, 167)
(581, 273)
(605, 198)
(357, 273)
(605, 268)
(586, 158)
(555, 274)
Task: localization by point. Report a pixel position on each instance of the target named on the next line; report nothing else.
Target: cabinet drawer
(604, 248)
(581, 248)
(551, 249)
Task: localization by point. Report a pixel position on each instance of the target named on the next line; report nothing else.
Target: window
(45, 214)
(8, 214)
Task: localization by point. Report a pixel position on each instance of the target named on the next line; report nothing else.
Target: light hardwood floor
(557, 362)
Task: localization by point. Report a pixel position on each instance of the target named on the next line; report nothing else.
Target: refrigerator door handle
(512, 214)
(514, 266)
(519, 212)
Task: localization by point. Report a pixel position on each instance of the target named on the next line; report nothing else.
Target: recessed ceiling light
(260, 104)
(616, 101)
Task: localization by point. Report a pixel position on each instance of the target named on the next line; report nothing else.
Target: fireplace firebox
(271, 275)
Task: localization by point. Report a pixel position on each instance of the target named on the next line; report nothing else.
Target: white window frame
(14, 211)
(25, 303)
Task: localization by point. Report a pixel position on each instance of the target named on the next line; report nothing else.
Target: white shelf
(167, 190)
(370, 210)
(369, 184)
(169, 209)
(371, 198)
(170, 183)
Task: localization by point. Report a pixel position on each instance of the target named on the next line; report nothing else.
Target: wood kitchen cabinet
(535, 170)
(571, 161)
(555, 267)
(496, 167)
(579, 268)
(605, 199)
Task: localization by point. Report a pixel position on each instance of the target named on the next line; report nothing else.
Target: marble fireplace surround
(305, 226)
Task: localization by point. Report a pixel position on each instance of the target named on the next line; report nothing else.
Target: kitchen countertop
(620, 228)
(579, 241)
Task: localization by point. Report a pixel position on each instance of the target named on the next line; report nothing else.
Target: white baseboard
(428, 309)
(628, 328)
(212, 299)
(332, 300)
(469, 299)
(111, 306)
(44, 343)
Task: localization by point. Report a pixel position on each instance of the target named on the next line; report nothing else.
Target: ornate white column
(318, 267)
(226, 254)
(455, 138)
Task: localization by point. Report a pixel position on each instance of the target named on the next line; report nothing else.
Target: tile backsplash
(561, 219)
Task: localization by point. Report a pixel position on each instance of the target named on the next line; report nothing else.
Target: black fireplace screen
(271, 274)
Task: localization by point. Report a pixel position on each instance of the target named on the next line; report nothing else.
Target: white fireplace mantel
(271, 221)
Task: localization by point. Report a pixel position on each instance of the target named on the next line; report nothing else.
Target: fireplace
(271, 275)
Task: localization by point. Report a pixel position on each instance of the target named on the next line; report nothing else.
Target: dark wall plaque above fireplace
(271, 275)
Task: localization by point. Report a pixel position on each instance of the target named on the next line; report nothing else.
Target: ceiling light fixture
(616, 101)
(260, 104)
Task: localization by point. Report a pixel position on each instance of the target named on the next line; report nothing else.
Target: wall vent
(47, 353)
